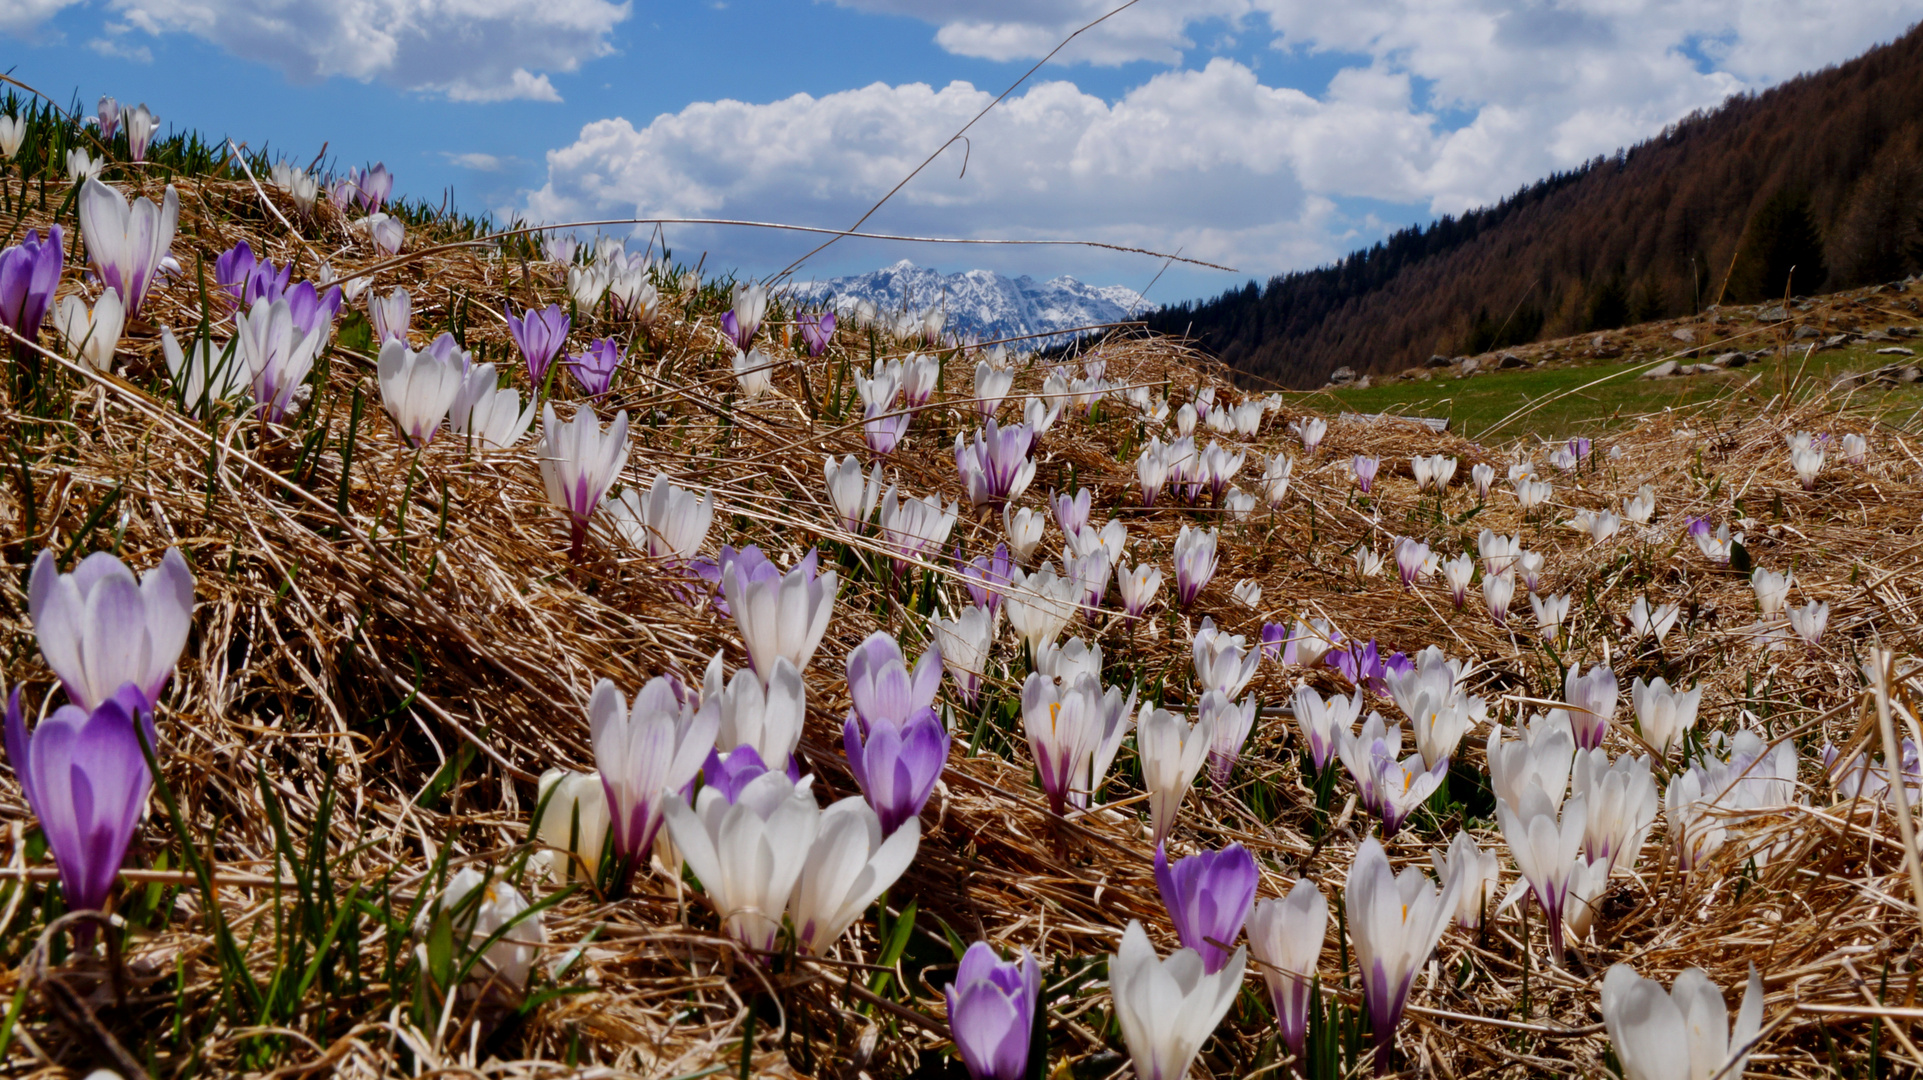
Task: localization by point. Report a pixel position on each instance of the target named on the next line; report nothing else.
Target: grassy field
(1600, 395)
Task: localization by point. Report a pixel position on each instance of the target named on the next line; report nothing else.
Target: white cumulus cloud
(466, 50)
(24, 18)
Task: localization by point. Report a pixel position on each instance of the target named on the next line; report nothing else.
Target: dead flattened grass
(430, 644)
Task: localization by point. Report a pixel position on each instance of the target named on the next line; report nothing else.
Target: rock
(1600, 341)
(1772, 314)
(1684, 334)
(1806, 332)
(1438, 361)
(1836, 341)
(1362, 383)
(1903, 331)
(1511, 360)
(1470, 364)
(1662, 370)
(1731, 359)
(1879, 335)
(1909, 374)
(1342, 376)
(1895, 350)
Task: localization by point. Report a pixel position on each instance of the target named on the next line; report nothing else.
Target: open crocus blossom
(1152, 470)
(986, 578)
(896, 765)
(1412, 560)
(1231, 722)
(1285, 936)
(991, 1011)
(780, 615)
(1172, 752)
(390, 315)
(1664, 715)
(667, 521)
(1547, 847)
(86, 779)
(593, 368)
(1039, 605)
(278, 354)
(854, 859)
(1772, 591)
(1195, 562)
(487, 413)
(1395, 923)
(1222, 661)
(1498, 590)
(992, 385)
(1168, 1008)
(883, 689)
(1208, 896)
(579, 461)
(1647, 621)
(1591, 698)
(126, 243)
(754, 373)
(1809, 621)
(29, 273)
(1680, 1034)
(742, 321)
(92, 333)
(914, 525)
(964, 643)
(995, 468)
(853, 499)
(1309, 642)
(817, 331)
(1138, 588)
(1325, 724)
(1550, 613)
(417, 390)
(1622, 802)
(540, 334)
(1539, 760)
(99, 629)
(749, 851)
(1433, 472)
(764, 717)
(1062, 727)
(646, 754)
(208, 375)
(1456, 574)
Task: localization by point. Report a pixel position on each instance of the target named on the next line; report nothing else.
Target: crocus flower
(1550, 613)
(919, 374)
(1309, 642)
(1497, 592)
(991, 387)
(1456, 573)
(579, 462)
(1591, 698)
(1540, 760)
(995, 468)
(417, 390)
(375, 185)
(1856, 449)
(1480, 891)
(313, 311)
(1071, 511)
(667, 521)
(1365, 470)
(1483, 477)
(140, 130)
(855, 857)
(587, 285)
(1394, 923)
(1039, 605)
(1808, 464)
(1061, 725)
(1194, 562)
(540, 334)
(1772, 590)
(1024, 530)
(817, 331)
(487, 413)
(86, 779)
(646, 754)
(1392, 789)
(897, 765)
(1231, 722)
(1208, 896)
(1598, 525)
(764, 717)
(1222, 661)
(1809, 621)
(964, 642)
(744, 319)
(278, 355)
(1681, 1034)
(754, 373)
(29, 273)
(499, 908)
(883, 430)
(1532, 493)
(1172, 752)
(1115, 715)
(1412, 559)
(854, 501)
(883, 689)
(126, 243)
(1547, 847)
(210, 374)
(1219, 466)
(748, 852)
(914, 525)
(593, 368)
(93, 333)
(991, 1011)
(1579, 447)
(572, 821)
(1622, 802)
(1654, 622)
(390, 315)
(1325, 724)
(1168, 1008)
(1286, 938)
(13, 132)
(108, 117)
(730, 771)
(388, 233)
(780, 615)
(82, 166)
(1152, 471)
(987, 577)
(1275, 479)
(1311, 431)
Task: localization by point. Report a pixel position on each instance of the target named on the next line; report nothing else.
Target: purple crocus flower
(594, 368)
(29, 273)
(1274, 636)
(751, 566)
(1365, 468)
(991, 1012)
(540, 335)
(1580, 447)
(729, 771)
(233, 268)
(883, 689)
(312, 309)
(1208, 896)
(816, 330)
(1071, 511)
(995, 468)
(897, 766)
(883, 429)
(985, 577)
(375, 185)
(87, 781)
(1363, 665)
(109, 118)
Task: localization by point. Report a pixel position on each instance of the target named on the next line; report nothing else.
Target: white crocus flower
(1498, 553)
(82, 166)
(1238, 504)
(1069, 661)
(767, 717)
(278, 355)
(1172, 753)
(1681, 1034)
(1641, 507)
(488, 413)
(964, 642)
(572, 822)
(1168, 1008)
(1657, 621)
(1665, 715)
(212, 373)
(1325, 724)
(915, 525)
(646, 754)
(1310, 431)
(1040, 416)
(1532, 493)
(749, 854)
(1856, 449)
(1480, 892)
(418, 389)
(1275, 479)
(1439, 723)
(499, 906)
(1248, 593)
(1808, 464)
(587, 285)
(853, 499)
(848, 866)
(1024, 528)
(1498, 590)
(1809, 621)
(1039, 605)
(1483, 477)
(1539, 760)
(754, 371)
(1286, 938)
(1622, 803)
(666, 521)
(13, 132)
(93, 333)
(1152, 470)
(1138, 587)
(1394, 923)
(579, 461)
(1551, 611)
(1368, 561)
(1456, 574)
(1598, 525)
(99, 629)
(1547, 848)
(1222, 661)
(1591, 698)
(1772, 590)
(1433, 472)
(1061, 722)
(780, 618)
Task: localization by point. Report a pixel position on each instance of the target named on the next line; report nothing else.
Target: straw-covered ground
(390, 646)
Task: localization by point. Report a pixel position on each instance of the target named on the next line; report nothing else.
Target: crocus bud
(1208, 896)
(501, 909)
(855, 857)
(1286, 937)
(1168, 1008)
(1394, 923)
(1194, 562)
(991, 1011)
(92, 333)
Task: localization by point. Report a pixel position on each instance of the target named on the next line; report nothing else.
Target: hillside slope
(1819, 176)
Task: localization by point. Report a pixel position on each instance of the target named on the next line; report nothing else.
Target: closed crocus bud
(1456, 575)
(1856, 449)
(914, 526)
(391, 314)
(1208, 896)
(126, 242)
(853, 860)
(1365, 470)
(1591, 697)
(1550, 613)
(991, 387)
(754, 373)
(1772, 591)
(991, 1011)
(99, 629)
(646, 753)
(1547, 847)
(1480, 890)
(1412, 559)
(781, 615)
(375, 184)
(1809, 621)
(1664, 715)
(853, 498)
(1681, 1034)
(748, 852)
(1622, 802)
(579, 461)
(1483, 477)
(498, 908)
(767, 718)
(964, 642)
(1532, 493)
(572, 822)
(1172, 753)
(593, 368)
(1394, 923)
(1275, 479)
(1497, 591)
(140, 130)
(487, 413)
(85, 777)
(1071, 511)
(92, 333)
(417, 390)
(1024, 529)
(918, 378)
(667, 521)
(210, 374)
(1286, 937)
(883, 688)
(1168, 1008)
(883, 430)
(1325, 724)
(1152, 471)
(29, 274)
(1231, 722)
(1194, 562)
(388, 233)
(13, 132)
(539, 333)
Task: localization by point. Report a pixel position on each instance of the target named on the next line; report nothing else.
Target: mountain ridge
(984, 303)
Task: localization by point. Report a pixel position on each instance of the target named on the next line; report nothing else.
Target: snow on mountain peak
(983, 303)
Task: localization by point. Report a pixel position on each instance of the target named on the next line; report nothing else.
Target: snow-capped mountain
(983, 303)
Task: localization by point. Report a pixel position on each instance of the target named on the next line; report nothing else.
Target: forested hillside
(1812, 185)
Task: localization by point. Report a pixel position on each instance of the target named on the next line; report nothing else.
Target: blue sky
(1262, 134)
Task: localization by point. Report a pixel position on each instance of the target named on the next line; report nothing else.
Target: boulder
(1511, 360)
(1362, 383)
(1439, 361)
(1772, 314)
(1806, 332)
(1731, 359)
(1342, 376)
(1684, 334)
(1662, 370)
(1879, 335)
(1895, 350)
(1836, 341)
(1470, 365)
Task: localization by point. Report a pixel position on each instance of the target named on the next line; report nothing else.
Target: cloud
(465, 50)
(24, 18)
(478, 162)
(107, 46)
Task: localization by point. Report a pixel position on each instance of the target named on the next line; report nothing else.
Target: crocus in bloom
(1480, 892)
(1856, 449)
(13, 132)
(667, 521)
(92, 333)
(991, 387)
(1286, 937)
(1772, 590)
(1680, 1034)
(488, 413)
(540, 334)
(883, 688)
(1138, 588)
(995, 468)
(742, 321)
(1071, 511)
(748, 852)
(593, 368)
(1412, 559)
(764, 717)
(780, 615)
(1497, 592)
(1640, 507)
(1663, 714)
(1024, 528)
(1172, 752)
(964, 642)
(1456, 574)
(1550, 613)
(1392, 789)
(1532, 493)
(1039, 605)
(1309, 642)
(1247, 593)
(1222, 661)
(1394, 924)
(1540, 760)
(29, 273)
(646, 754)
(1365, 470)
(1311, 431)
(390, 315)
(572, 822)
(1483, 477)
(388, 233)
(919, 374)
(991, 1011)
(210, 374)
(140, 130)
(86, 779)
(855, 857)
(1208, 896)
(1547, 848)
(1655, 622)
(1061, 723)
(1809, 621)
(1152, 471)
(754, 373)
(82, 166)
(913, 526)
(579, 462)
(1231, 722)
(277, 353)
(1808, 465)
(817, 331)
(126, 243)
(897, 765)
(1622, 802)
(1194, 562)
(498, 908)
(417, 390)
(1325, 724)
(1591, 698)
(883, 429)
(375, 185)
(853, 499)
(1168, 1008)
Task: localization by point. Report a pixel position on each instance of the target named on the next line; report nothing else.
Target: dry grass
(431, 647)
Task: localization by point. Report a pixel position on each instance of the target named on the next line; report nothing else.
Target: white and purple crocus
(896, 743)
(29, 273)
(540, 334)
(991, 1011)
